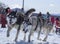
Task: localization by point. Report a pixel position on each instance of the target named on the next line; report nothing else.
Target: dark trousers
(3, 26)
(57, 30)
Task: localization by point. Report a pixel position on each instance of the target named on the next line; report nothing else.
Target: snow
(53, 38)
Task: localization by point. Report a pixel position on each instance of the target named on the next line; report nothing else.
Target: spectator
(48, 17)
(52, 20)
(3, 21)
(57, 25)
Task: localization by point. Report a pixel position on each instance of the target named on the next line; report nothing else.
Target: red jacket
(52, 20)
(3, 19)
(57, 23)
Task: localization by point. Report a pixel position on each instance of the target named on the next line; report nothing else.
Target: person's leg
(39, 31)
(36, 26)
(3, 26)
(59, 30)
(56, 30)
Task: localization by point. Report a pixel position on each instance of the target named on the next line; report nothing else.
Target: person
(8, 10)
(57, 25)
(11, 14)
(40, 21)
(3, 18)
(40, 17)
(52, 20)
(48, 17)
(3, 21)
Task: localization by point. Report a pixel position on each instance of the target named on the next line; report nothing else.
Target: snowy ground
(52, 38)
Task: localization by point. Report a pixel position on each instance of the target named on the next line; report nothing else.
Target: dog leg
(17, 32)
(8, 31)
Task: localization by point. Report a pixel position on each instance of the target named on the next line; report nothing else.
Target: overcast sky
(53, 6)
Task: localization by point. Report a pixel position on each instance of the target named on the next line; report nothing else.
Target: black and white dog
(20, 18)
